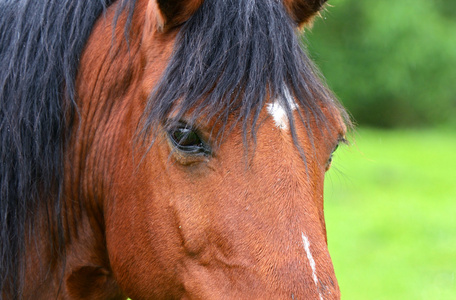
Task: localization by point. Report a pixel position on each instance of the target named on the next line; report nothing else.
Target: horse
(163, 149)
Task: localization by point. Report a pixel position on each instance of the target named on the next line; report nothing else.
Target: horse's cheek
(142, 236)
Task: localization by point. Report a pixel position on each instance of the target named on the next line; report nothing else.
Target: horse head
(195, 163)
(196, 215)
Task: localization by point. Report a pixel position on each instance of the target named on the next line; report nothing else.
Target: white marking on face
(278, 112)
(306, 242)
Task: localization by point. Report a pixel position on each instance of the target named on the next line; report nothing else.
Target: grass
(391, 215)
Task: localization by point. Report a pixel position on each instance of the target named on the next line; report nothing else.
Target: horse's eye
(185, 137)
(340, 140)
(328, 163)
(188, 141)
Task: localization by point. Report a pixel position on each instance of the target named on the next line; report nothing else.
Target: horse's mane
(232, 56)
(40, 45)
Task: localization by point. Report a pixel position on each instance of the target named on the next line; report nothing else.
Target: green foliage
(392, 63)
(390, 213)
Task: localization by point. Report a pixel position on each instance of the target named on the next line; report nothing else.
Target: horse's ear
(172, 13)
(303, 11)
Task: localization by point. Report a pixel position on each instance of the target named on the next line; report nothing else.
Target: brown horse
(163, 149)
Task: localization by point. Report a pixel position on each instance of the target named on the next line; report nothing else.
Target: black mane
(232, 56)
(40, 45)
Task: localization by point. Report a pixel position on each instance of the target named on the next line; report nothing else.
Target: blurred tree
(392, 62)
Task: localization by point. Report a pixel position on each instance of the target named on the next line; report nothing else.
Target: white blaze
(278, 112)
(306, 242)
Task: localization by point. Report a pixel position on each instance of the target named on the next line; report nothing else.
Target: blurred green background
(391, 196)
(392, 62)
